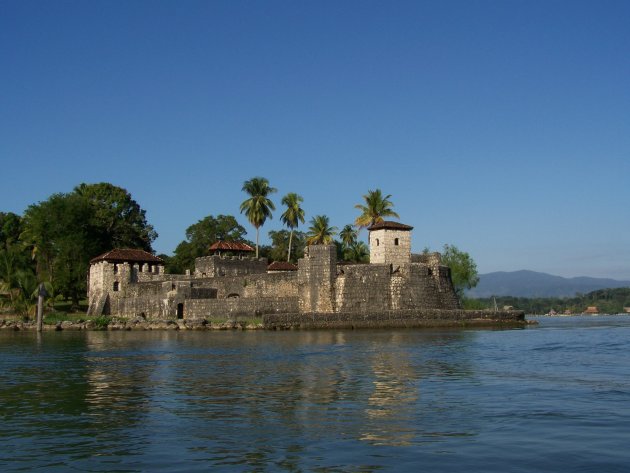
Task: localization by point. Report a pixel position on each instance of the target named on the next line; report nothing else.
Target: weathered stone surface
(240, 288)
(394, 319)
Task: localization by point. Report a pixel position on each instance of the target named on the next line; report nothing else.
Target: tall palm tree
(320, 233)
(292, 215)
(357, 252)
(376, 207)
(258, 207)
(348, 236)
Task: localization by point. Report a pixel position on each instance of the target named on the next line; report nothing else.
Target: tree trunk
(290, 240)
(256, 242)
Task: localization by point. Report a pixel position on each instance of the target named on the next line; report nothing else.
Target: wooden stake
(40, 307)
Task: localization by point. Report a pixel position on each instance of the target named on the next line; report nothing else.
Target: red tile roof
(281, 266)
(230, 246)
(389, 225)
(127, 255)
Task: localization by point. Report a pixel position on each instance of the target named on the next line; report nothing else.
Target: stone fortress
(397, 288)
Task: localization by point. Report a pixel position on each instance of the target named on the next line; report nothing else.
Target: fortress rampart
(393, 287)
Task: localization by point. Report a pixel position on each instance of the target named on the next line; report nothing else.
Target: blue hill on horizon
(525, 283)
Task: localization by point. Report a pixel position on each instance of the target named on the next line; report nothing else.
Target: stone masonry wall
(413, 287)
(363, 288)
(395, 319)
(384, 250)
(316, 279)
(232, 309)
(217, 266)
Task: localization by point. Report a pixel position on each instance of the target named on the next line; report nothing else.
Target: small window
(396, 241)
(115, 269)
(116, 285)
(377, 242)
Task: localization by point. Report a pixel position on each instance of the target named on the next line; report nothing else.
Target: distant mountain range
(533, 284)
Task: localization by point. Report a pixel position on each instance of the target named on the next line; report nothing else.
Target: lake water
(555, 397)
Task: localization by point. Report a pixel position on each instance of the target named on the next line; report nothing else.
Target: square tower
(390, 243)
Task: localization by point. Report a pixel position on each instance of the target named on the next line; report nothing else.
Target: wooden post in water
(40, 307)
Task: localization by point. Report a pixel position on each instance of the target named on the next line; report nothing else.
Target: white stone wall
(384, 250)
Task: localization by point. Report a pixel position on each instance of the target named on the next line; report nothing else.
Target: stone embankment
(133, 324)
(379, 320)
(426, 318)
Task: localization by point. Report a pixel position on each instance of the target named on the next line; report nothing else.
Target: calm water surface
(551, 398)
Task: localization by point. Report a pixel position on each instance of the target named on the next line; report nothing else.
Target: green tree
(463, 268)
(357, 252)
(376, 207)
(292, 215)
(280, 244)
(10, 229)
(320, 232)
(258, 207)
(348, 236)
(61, 232)
(200, 236)
(121, 221)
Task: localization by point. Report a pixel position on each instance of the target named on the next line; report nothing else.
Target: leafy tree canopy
(280, 245)
(376, 207)
(200, 236)
(119, 218)
(463, 268)
(258, 207)
(320, 232)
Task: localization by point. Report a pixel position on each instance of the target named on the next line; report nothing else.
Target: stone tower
(112, 272)
(390, 243)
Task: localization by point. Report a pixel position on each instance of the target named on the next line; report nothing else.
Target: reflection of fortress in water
(395, 289)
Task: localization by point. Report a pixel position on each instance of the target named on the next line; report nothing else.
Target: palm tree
(376, 207)
(258, 207)
(320, 233)
(348, 236)
(292, 215)
(357, 252)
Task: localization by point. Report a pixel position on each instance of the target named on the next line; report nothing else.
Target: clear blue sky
(502, 127)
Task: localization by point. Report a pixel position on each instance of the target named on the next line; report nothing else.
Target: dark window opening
(396, 241)
(115, 269)
(180, 310)
(116, 286)
(377, 242)
(233, 296)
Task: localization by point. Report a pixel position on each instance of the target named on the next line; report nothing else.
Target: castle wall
(218, 266)
(225, 287)
(316, 279)
(363, 288)
(235, 308)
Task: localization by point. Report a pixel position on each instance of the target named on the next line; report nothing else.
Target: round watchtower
(390, 243)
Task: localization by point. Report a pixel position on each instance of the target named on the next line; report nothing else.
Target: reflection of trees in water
(71, 402)
(255, 399)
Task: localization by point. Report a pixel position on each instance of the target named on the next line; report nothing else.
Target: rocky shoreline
(379, 320)
(131, 324)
